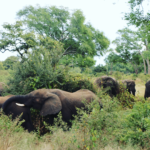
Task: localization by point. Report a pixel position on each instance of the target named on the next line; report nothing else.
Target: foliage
(14, 38)
(76, 82)
(9, 62)
(79, 39)
(137, 125)
(121, 67)
(117, 75)
(124, 97)
(137, 15)
(1, 66)
(128, 48)
(99, 68)
(40, 70)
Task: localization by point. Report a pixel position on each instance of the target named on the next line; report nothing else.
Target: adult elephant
(3, 99)
(130, 86)
(49, 102)
(109, 84)
(147, 89)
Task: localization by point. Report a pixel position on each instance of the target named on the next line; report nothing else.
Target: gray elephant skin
(147, 89)
(50, 102)
(130, 86)
(108, 83)
(4, 98)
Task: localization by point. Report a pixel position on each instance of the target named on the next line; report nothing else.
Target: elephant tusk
(20, 104)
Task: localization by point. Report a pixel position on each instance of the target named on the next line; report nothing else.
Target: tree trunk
(135, 68)
(147, 60)
(144, 66)
(111, 68)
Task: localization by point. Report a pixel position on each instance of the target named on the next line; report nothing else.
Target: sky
(104, 15)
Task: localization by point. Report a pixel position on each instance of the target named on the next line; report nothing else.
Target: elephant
(147, 89)
(50, 102)
(3, 99)
(108, 83)
(130, 86)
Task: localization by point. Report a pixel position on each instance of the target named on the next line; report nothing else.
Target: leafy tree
(137, 15)
(77, 61)
(40, 70)
(128, 47)
(78, 37)
(10, 61)
(140, 18)
(14, 38)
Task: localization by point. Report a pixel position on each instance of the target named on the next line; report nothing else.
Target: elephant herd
(52, 101)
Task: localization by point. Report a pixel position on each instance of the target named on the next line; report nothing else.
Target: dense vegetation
(56, 49)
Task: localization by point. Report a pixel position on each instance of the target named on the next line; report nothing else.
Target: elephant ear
(52, 105)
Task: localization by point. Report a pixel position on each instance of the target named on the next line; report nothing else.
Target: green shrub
(136, 126)
(118, 75)
(124, 97)
(40, 70)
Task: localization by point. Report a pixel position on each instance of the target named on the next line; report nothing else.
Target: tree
(78, 37)
(139, 18)
(137, 15)
(39, 70)
(14, 38)
(128, 49)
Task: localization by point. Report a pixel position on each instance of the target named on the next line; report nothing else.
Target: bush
(99, 69)
(136, 126)
(124, 97)
(118, 75)
(40, 70)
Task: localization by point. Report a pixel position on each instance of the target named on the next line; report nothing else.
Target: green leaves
(70, 29)
(16, 39)
(137, 125)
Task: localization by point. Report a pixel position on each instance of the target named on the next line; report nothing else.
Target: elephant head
(130, 86)
(48, 104)
(108, 83)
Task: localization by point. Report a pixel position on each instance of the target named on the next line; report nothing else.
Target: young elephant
(50, 102)
(147, 89)
(3, 99)
(108, 83)
(130, 86)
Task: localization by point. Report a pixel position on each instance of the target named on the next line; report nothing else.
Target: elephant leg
(28, 125)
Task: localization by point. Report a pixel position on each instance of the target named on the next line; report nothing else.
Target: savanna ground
(115, 127)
